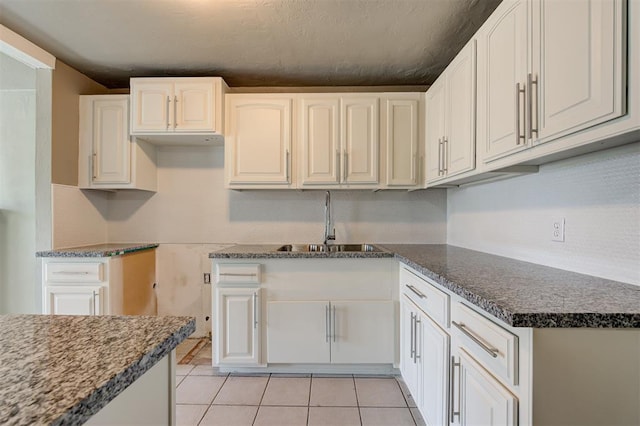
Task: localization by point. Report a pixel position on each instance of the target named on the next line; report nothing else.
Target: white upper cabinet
(541, 78)
(359, 130)
(320, 141)
(450, 120)
(502, 72)
(339, 140)
(108, 158)
(400, 141)
(578, 69)
(177, 106)
(258, 141)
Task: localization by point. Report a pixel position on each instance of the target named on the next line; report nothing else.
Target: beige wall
(68, 84)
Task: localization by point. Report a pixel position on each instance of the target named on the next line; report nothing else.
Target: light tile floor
(204, 396)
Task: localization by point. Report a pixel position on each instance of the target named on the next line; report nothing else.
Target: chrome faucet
(328, 234)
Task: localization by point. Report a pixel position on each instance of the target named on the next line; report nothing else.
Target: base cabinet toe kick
(305, 315)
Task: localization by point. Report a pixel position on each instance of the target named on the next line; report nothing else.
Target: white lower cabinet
(74, 300)
(482, 400)
(341, 332)
(237, 330)
(424, 362)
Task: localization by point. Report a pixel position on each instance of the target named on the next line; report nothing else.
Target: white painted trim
(24, 51)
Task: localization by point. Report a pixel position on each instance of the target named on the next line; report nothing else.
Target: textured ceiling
(252, 42)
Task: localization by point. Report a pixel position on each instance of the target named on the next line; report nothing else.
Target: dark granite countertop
(522, 294)
(97, 250)
(63, 369)
(269, 251)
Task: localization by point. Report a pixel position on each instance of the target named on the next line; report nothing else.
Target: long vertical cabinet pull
(453, 413)
(96, 303)
(168, 106)
(519, 136)
(286, 161)
(439, 156)
(334, 323)
(175, 112)
(412, 343)
(346, 165)
(255, 310)
(338, 165)
(416, 355)
(445, 146)
(94, 162)
(326, 323)
(531, 80)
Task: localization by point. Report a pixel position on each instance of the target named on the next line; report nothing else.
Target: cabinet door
(298, 332)
(362, 332)
(401, 142)
(111, 162)
(435, 105)
(483, 400)
(320, 141)
(409, 367)
(237, 326)
(579, 66)
(503, 46)
(193, 107)
(151, 106)
(74, 300)
(259, 141)
(433, 353)
(359, 136)
(460, 141)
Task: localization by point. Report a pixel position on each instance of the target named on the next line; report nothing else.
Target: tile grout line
(261, 398)
(309, 399)
(214, 398)
(355, 388)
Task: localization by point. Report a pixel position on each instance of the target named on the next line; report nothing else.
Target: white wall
(598, 194)
(192, 206)
(17, 187)
(79, 216)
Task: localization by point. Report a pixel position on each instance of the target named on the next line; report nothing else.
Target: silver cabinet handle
(255, 310)
(326, 323)
(338, 165)
(94, 163)
(414, 172)
(175, 112)
(420, 170)
(334, 323)
(96, 302)
(412, 343)
(532, 80)
(237, 274)
(452, 367)
(439, 156)
(445, 145)
(70, 273)
(168, 102)
(416, 291)
(346, 166)
(286, 165)
(519, 136)
(463, 328)
(416, 355)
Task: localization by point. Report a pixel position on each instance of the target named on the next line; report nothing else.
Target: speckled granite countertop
(521, 294)
(64, 369)
(524, 294)
(98, 250)
(269, 251)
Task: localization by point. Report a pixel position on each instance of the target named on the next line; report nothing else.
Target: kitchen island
(70, 370)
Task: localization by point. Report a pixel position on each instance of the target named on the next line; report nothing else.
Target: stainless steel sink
(329, 248)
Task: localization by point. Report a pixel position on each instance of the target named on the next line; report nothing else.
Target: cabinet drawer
(74, 272)
(489, 343)
(432, 301)
(237, 273)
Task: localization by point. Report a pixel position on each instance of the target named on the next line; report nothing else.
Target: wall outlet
(207, 278)
(558, 230)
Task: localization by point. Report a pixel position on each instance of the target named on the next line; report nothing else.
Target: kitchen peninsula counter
(522, 294)
(98, 250)
(65, 369)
